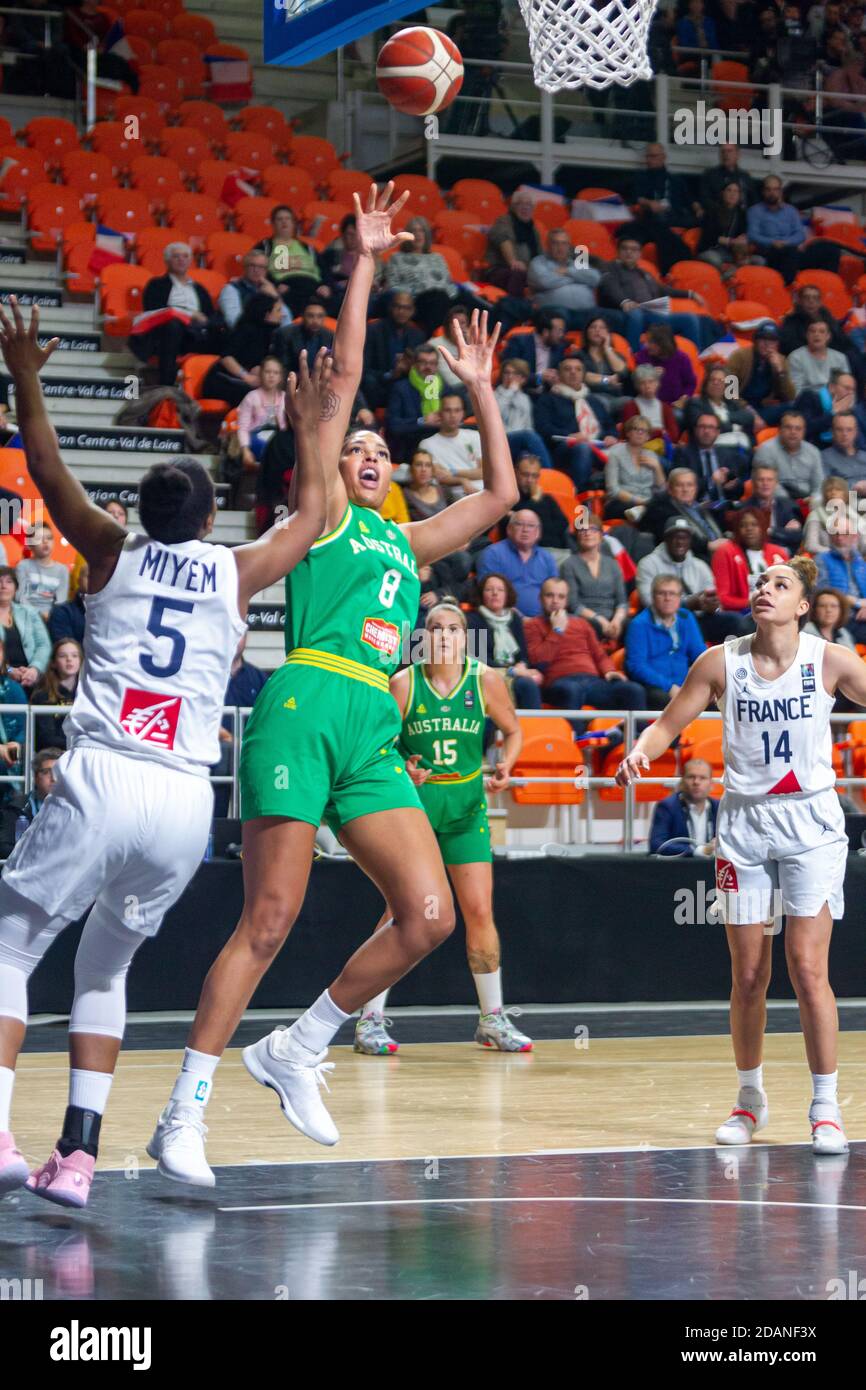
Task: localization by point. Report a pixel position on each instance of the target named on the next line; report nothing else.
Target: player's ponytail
(175, 500)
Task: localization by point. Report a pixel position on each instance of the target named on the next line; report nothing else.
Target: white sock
(193, 1086)
(824, 1087)
(375, 1006)
(489, 988)
(88, 1090)
(315, 1029)
(7, 1081)
(754, 1078)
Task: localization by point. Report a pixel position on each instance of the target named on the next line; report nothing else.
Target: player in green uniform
(443, 702)
(319, 743)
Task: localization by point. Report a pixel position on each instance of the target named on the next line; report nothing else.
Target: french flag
(155, 318)
(115, 41)
(230, 78)
(109, 248)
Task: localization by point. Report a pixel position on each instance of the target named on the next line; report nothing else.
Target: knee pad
(103, 958)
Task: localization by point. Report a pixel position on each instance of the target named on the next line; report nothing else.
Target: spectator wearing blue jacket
(662, 642)
(776, 229)
(842, 567)
(688, 814)
(521, 560)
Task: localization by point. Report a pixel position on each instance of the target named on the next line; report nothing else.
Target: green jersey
(353, 598)
(447, 730)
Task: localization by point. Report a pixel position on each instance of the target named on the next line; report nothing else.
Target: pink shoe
(13, 1167)
(65, 1181)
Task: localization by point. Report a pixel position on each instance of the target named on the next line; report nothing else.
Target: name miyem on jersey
(776, 734)
(159, 640)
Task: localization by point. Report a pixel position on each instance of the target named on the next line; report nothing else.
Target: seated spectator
(457, 317)
(808, 309)
(42, 582)
(844, 96)
(174, 290)
(500, 639)
(810, 366)
(678, 380)
(117, 510)
(262, 411)
(664, 429)
(238, 370)
(309, 335)
(67, 619)
(394, 507)
(391, 340)
(570, 420)
(715, 179)
(555, 535)
(797, 463)
(632, 472)
(448, 578)
(829, 616)
(824, 515)
(512, 242)
(662, 642)
(761, 374)
(57, 687)
(844, 459)
(417, 270)
(576, 669)
(737, 422)
(596, 589)
(674, 556)
(455, 451)
(662, 204)
(414, 403)
(820, 407)
(515, 407)
(12, 728)
(680, 498)
(718, 469)
(695, 30)
(19, 811)
(543, 349)
(842, 567)
(624, 286)
(604, 369)
(776, 230)
(424, 495)
(25, 636)
(521, 560)
(557, 281)
(737, 564)
(724, 242)
(338, 261)
(689, 813)
(245, 684)
(254, 280)
(293, 265)
(781, 514)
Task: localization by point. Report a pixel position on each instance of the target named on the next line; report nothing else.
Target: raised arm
(453, 528)
(847, 672)
(92, 532)
(270, 558)
(704, 682)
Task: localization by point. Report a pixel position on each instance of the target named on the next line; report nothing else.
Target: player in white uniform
(127, 823)
(780, 832)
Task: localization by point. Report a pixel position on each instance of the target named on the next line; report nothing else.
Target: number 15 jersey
(776, 734)
(159, 640)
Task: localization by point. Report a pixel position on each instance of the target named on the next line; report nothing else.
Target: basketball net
(588, 43)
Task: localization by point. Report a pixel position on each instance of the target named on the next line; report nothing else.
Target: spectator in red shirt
(737, 563)
(576, 669)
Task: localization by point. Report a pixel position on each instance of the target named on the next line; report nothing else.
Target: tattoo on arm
(330, 405)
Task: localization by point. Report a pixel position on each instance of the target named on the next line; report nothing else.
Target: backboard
(297, 31)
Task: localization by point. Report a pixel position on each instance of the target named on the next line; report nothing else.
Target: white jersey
(159, 640)
(776, 734)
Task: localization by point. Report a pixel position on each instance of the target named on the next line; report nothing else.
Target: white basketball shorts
(127, 831)
(781, 852)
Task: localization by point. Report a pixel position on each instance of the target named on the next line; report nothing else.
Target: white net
(588, 43)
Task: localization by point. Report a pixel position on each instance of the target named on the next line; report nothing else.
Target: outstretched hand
(20, 343)
(373, 224)
(474, 361)
(307, 391)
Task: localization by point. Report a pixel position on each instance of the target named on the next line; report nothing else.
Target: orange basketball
(419, 71)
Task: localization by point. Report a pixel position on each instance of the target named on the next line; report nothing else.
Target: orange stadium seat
(704, 279)
(7, 132)
(559, 486)
(741, 312)
(52, 136)
(143, 50)
(156, 177)
(77, 246)
(267, 120)
(693, 353)
(185, 61)
(548, 214)
(342, 183)
(148, 113)
(765, 284)
(30, 168)
(595, 236)
(731, 98)
(225, 251)
(290, 185)
(548, 750)
(453, 259)
(50, 208)
(665, 766)
(425, 196)
(124, 209)
(843, 233)
(478, 195)
(120, 291)
(108, 138)
(211, 280)
(147, 24)
(322, 222)
(250, 147)
(596, 195)
(87, 172)
(150, 243)
(316, 155)
(195, 28)
(834, 291)
(162, 84)
(167, 8)
(195, 214)
(252, 216)
(211, 175)
(205, 117)
(186, 146)
(192, 371)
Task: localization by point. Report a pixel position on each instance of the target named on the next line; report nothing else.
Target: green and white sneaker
(496, 1030)
(371, 1036)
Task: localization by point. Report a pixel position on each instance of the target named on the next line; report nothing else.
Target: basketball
(419, 71)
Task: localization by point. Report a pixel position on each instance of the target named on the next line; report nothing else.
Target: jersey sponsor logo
(469, 699)
(384, 637)
(149, 717)
(773, 711)
(741, 673)
(291, 703)
(421, 709)
(807, 674)
(726, 876)
(788, 785)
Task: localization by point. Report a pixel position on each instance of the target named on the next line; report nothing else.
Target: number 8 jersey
(159, 640)
(776, 734)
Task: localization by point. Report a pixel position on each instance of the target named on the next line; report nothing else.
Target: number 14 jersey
(159, 640)
(776, 734)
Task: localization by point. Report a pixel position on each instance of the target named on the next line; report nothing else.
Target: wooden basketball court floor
(585, 1169)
